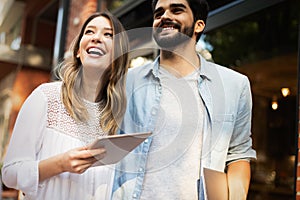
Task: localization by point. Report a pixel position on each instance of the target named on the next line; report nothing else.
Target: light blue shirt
(226, 96)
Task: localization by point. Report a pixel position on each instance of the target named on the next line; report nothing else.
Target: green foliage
(265, 34)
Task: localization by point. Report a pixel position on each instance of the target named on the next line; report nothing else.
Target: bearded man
(199, 113)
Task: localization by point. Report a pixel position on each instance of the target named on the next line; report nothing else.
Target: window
(264, 46)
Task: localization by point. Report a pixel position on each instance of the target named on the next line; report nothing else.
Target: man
(199, 114)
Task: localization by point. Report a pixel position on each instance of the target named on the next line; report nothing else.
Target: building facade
(257, 38)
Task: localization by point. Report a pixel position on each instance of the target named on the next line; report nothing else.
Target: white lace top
(44, 128)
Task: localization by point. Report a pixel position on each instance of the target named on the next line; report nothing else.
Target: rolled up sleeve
(241, 143)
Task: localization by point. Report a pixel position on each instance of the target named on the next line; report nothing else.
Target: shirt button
(146, 141)
(153, 112)
(134, 195)
(141, 169)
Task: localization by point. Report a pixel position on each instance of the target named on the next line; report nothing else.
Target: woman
(48, 156)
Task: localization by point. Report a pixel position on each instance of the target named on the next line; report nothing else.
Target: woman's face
(95, 47)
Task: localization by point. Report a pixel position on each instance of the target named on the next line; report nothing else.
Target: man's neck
(180, 63)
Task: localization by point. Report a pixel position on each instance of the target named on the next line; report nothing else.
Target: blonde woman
(47, 157)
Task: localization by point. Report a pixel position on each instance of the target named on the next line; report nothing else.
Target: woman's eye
(88, 31)
(109, 35)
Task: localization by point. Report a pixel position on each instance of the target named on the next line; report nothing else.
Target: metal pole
(99, 7)
(61, 33)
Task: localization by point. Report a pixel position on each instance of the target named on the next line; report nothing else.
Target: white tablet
(117, 146)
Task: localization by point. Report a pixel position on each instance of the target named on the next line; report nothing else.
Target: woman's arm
(20, 167)
(77, 160)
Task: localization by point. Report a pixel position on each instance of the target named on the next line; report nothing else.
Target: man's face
(173, 23)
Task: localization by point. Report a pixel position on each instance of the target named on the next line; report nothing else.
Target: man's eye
(157, 15)
(177, 10)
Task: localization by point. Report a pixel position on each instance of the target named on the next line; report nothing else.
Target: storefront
(257, 38)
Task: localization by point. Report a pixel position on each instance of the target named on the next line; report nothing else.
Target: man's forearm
(238, 177)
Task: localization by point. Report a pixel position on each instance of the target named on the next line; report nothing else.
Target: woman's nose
(97, 38)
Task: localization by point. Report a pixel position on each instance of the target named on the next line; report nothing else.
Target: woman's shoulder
(50, 86)
(51, 90)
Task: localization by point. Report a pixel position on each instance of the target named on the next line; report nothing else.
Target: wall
(78, 13)
(27, 79)
(298, 156)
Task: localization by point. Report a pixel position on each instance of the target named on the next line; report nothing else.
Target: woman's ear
(199, 26)
(78, 54)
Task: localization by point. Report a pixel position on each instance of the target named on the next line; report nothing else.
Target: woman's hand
(80, 159)
(76, 160)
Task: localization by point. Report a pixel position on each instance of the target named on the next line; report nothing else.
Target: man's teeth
(96, 51)
(168, 28)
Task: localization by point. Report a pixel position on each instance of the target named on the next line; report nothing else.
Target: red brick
(298, 186)
(298, 170)
(80, 9)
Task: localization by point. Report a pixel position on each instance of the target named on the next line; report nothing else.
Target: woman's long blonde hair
(112, 94)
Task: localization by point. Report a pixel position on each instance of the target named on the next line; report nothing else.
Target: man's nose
(166, 15)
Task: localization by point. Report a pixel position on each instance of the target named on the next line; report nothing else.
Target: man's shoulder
(227, 72)
(144, 69)
(139, 73)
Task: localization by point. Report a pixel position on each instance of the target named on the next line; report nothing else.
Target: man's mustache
(167, 23)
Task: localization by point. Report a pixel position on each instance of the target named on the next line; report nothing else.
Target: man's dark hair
(199, 8)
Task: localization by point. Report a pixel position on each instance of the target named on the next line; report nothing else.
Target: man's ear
(199, 26)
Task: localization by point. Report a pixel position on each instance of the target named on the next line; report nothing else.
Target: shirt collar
(153, 69)
(204, 68)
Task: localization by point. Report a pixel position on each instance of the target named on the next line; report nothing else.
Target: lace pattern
(59, 119)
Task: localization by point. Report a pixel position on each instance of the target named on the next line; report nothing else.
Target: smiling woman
(59, 119)
(111, 39)
(96, 46)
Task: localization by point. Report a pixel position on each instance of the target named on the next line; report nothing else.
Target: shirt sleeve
(20, 169)
(241, 143)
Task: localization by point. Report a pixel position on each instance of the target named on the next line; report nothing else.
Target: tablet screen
(117, 146)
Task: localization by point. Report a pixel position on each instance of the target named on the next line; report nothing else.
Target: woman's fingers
(80, 159)
(97, 154)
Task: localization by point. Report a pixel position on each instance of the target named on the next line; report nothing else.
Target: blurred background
(257, 38)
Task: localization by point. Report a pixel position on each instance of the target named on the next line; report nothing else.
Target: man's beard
(173, 40)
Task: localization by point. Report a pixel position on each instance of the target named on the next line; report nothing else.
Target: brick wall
(27, 79)
(298, 166)
(78, 13)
